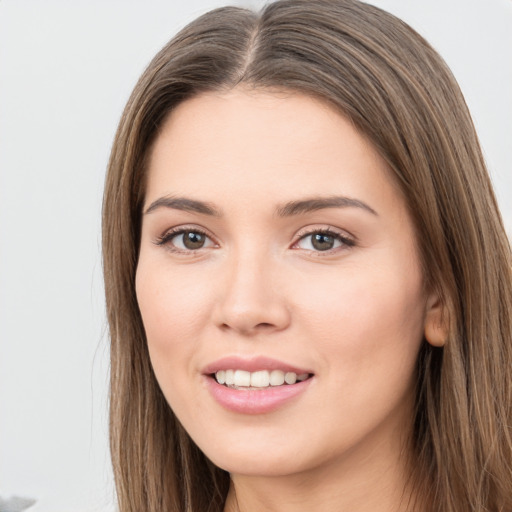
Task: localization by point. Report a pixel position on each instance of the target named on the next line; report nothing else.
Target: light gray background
(66, 70)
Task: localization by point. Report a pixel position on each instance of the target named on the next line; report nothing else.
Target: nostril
(264, 325)
(248, 329)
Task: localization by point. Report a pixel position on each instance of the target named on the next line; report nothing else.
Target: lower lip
(255, 401)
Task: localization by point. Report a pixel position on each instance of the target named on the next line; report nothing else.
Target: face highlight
(279, 285)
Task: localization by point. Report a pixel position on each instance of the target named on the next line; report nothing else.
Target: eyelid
(165, 238)
(347, 240)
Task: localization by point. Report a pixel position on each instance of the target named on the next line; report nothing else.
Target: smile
(242, 379)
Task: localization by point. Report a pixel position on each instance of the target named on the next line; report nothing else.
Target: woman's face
(275, 246)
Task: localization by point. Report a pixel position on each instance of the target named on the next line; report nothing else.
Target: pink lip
(253, 401)
(253, 364)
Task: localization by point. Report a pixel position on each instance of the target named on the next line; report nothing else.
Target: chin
(258, 465)
(281, 455)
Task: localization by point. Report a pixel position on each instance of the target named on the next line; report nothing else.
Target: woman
(308, 282)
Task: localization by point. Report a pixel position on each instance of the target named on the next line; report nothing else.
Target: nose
(250, 300)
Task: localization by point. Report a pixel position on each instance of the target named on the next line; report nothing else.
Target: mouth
(258, 380)
(256, 385)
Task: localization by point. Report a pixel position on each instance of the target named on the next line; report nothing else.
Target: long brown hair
(396, 89)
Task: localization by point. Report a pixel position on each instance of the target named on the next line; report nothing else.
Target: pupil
(322, 242)
(193, 240)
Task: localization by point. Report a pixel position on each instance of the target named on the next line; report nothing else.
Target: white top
(15, 503)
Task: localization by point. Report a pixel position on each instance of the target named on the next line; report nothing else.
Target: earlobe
(436, 323)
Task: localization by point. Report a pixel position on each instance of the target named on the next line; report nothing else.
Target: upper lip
(252, 364)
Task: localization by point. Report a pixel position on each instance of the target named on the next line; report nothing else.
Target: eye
(323, 241)
(184, 240)
(190, 240)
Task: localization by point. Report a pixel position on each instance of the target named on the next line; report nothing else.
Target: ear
(436, 322)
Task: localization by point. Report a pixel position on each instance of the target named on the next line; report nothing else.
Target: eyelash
(346, 242)
(165, 239)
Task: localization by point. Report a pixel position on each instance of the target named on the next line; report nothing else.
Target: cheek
(367, 337)
(367, 318)
(172, 307)
(170, 312)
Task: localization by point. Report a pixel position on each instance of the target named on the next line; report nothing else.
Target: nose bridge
(250, 300)
(250, 277)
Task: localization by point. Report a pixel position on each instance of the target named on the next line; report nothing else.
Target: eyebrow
(185, 204)
(286, 210)
(319, 203)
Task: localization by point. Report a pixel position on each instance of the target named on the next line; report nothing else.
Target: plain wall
(66, 71)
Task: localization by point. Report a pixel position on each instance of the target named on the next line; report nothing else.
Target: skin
(355, 315)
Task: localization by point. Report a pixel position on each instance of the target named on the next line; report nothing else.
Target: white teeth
(230, 377)
(242, 378)
(259, 379)
(290, 378)
(276, 378)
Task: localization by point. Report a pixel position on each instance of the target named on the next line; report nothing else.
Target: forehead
(262, 145)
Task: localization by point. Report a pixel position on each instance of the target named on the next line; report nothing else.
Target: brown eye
(185, 240)
(322, 241)
(193, 239)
